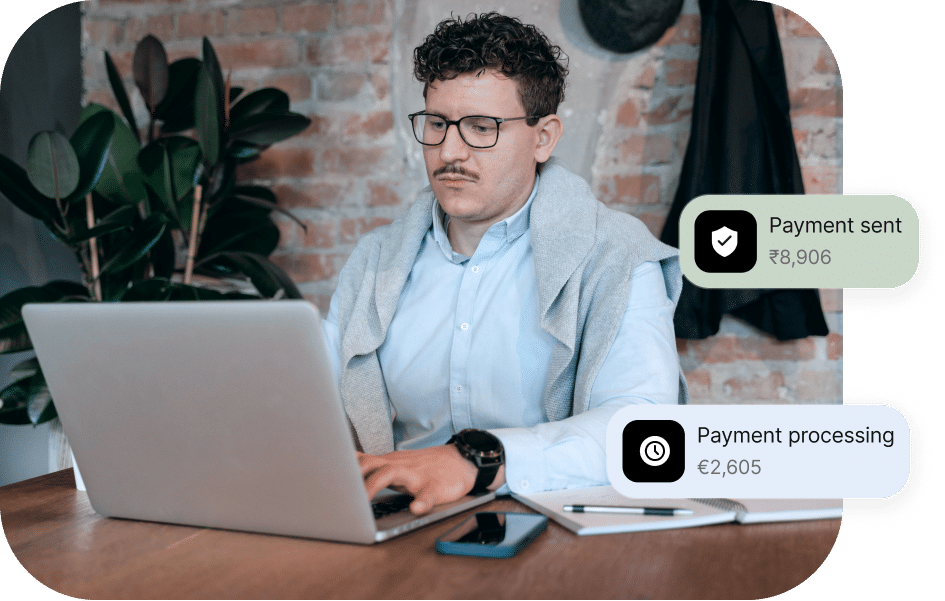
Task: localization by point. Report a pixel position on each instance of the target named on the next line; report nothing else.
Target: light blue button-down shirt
(465, 350)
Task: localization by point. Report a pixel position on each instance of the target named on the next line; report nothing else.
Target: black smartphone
(492, 534)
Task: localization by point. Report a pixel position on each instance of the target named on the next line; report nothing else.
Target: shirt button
(524, 484)
(465, 326)
(475, 269)
(459, 388)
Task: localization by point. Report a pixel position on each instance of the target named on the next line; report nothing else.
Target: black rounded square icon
(654, 450)
(725, 241)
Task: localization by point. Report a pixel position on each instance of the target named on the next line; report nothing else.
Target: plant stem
(93, 249)
(195, 219)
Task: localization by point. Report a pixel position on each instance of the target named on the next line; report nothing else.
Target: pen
(667, 511)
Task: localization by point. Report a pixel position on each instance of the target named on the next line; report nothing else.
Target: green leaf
(51, 165)
(269, 128)
(243, 152)
(91, 142)
(250, 231)
(121, 180)
(163, 255)
(265, 275)
(114, 78)
(145, 236)
(119, 219)
(212, 65)
(208, 117)
(265, 100)
(151, 71)
(155, 162)
(13, 335)
(154, 289)
(177, 108)
(25, 368)
(265, 198)
(16, 186)
(27, 401)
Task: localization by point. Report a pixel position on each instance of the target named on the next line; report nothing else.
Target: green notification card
(802, 241)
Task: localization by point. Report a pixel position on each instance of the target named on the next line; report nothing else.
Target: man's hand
(432, 476)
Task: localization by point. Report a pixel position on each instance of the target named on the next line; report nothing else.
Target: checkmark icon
(722, 243)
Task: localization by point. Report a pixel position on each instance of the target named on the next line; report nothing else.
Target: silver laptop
(219, 414)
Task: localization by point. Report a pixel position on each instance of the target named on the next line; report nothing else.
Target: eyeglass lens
(478, 132)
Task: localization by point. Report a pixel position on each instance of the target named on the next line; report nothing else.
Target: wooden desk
(64, 544)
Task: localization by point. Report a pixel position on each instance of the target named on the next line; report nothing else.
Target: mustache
(455, 170)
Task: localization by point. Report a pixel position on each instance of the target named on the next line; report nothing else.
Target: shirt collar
(508, 229)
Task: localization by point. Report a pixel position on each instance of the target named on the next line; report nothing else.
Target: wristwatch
(484, 450)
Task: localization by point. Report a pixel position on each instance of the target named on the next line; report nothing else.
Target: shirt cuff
(525, 467)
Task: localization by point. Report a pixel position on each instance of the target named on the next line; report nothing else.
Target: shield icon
(724, 241)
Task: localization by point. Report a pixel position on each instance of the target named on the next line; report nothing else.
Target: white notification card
(758, 451)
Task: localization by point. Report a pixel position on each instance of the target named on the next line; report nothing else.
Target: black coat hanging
(741, 142)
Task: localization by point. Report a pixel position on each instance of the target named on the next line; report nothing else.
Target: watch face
(481, 441)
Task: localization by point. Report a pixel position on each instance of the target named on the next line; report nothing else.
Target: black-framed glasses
(478, 131)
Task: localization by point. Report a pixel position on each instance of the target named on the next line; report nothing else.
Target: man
(486, 338)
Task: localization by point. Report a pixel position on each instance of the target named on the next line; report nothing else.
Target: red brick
(637, 189)
(250, 21)
(197, 25)
(353, 229)
(338, 86)
(754, 388)
(349, 47)
(797, 26)
(826, 62)
(831, 299)
(834, 346)
(361, 13)
(104, 98)
(307, 17)
(353, 161)
(822, 179)
(668, 111)
(819, 386)
(629, 113)
(730, 349)
(160, 26)
(104, 33)
(279, 162)
(685, 31)
(298, 87)
(309, 267)
(322, 127)
(631, 149)
(381, 85)
(320, 234)
(290, 234)
(380, 194)
(680, 72)
(372, 125)
(822, 102)
(271, 52)
(658, 149)
(700, 384)
(310, 195)
(646, 78)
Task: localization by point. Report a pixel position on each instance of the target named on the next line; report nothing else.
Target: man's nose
(453, 147)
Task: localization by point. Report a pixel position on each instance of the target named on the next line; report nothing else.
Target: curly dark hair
(505, 44)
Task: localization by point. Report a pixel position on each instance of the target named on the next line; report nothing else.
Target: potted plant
(145, 211)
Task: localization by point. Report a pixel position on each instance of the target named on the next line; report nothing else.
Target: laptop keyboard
(391, 505)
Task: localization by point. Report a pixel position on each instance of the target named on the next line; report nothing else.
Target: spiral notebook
(705, 512)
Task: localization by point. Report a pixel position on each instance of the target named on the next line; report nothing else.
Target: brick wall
(342, 62)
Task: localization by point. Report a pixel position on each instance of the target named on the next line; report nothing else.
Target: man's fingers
(390, 476)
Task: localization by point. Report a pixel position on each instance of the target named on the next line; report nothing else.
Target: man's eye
(436, 124)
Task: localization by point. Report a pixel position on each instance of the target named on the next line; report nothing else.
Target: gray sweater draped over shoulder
(585, 254)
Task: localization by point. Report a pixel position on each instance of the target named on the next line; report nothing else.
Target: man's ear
(549, 130)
